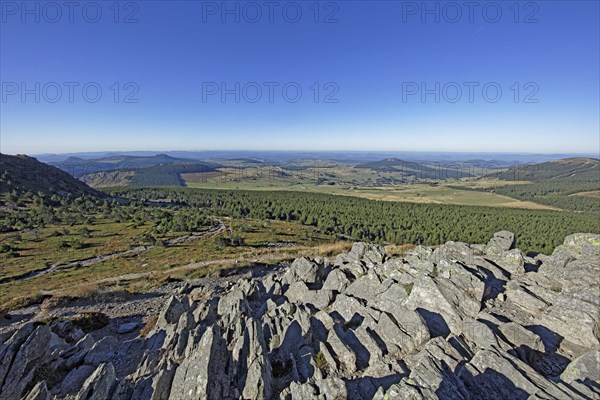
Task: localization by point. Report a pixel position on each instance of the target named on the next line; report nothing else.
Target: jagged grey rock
(500, 243)
(170, 313)
(581, 245)
(319, 299)
(100, 384)
(453, 251)
(39, 392)
(512, 261)
(478, 334)
(296, 292)
(574, 320)
(342, 351)
(583, 368)
(198, 376)
(347, 307)
(491, 375)
(127, 327)
(432, 370)
(526, 344)
(365, 287)
(74, 380)
(257, 368)
(336, 280)
(102, 351)
(76, 354)
(25, 363)
(7, 354)
(458, 321)
(332, 388)
(440, 314)
(370, 254)
(302, 270)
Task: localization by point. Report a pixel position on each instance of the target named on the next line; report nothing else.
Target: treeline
(378, 221)
(190, 210)
(40, 210)
(555, 183)
(556, 194)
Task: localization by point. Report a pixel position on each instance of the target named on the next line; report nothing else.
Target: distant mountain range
(26, 174)
(79, 167)
(74, 174)
(495, 159)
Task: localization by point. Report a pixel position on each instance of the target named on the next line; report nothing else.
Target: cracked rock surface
(456, 322)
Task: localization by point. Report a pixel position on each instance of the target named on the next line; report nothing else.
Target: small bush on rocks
(90, 321)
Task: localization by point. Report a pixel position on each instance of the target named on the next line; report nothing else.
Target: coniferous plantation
(378, 221)
(569, 184)
(561, 194)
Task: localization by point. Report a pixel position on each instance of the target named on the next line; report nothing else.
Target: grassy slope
(22, 174)
(155, 264)
(106, 237)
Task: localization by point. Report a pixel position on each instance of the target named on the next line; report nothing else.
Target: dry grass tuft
(94, 291)
(332, 249)
(398, 250)
(54, 302)
(85, 291)
(23, 301)
(148, 326)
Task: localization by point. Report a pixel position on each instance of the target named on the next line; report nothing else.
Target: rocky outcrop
(25, 361)
(456, 322)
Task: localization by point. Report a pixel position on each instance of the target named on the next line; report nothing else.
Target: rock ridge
(459, 321)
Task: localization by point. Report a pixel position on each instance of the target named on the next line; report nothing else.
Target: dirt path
(138, 275)
(255, 259)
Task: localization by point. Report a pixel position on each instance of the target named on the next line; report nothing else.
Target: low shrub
(90, 321)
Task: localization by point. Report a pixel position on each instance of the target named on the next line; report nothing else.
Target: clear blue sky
(372, 55)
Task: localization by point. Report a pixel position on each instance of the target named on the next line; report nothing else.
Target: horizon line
(308, 151)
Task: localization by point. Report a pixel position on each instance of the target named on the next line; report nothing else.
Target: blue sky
(369, 60)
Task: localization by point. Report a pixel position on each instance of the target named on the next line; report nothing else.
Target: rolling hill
(569, 183)
(127, 170)
(564, 170)
(22, 174)
(79, 167)
(418, 170)
(168, 174)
